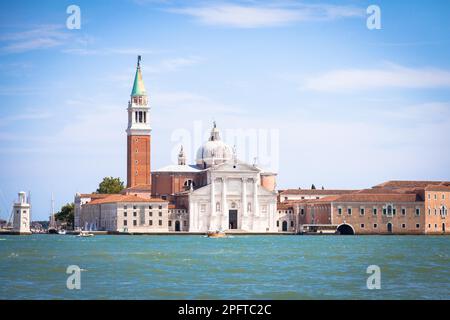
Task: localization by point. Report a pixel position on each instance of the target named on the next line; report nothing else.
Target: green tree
(110, 185)
(66, 214)
(313, 187)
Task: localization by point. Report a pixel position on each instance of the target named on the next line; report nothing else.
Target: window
(278, 223)
(134, 222)
(303, 198)
(403, 225)
(285, 198)
(125, 222)
(361, 211)
(384, 211)
(394, 211)
(150, 207)
(217, 206)
(150, 222)
(435, 196)
(374, 211)
(362, 225)
(349, 211)
(403, 212)
(125, 214)
(151, 214)
(302, 211)
(429, 225)
(317, 197)
(417, 211)
(170, 223)
(292, 223)
(389, 211)
(429, 196)
(375, 226)
(160, 207)
(417, 225)
(125, 207)
(160, 214)
(160, 222)
(443, 196)
(134, 214)
(134, 207)
(429, 211)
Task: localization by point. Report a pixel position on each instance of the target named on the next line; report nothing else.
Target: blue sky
(350, 107)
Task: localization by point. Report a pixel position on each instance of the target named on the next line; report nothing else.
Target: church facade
(217, 192)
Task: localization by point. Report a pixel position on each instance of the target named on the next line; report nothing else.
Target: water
(242, 267)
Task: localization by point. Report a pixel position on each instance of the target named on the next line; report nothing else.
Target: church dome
(213, 150)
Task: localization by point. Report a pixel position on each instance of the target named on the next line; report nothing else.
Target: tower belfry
(138, 133)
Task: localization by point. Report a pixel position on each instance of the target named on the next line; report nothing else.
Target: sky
(304, 86)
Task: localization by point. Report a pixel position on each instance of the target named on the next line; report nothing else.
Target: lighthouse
(21, 220)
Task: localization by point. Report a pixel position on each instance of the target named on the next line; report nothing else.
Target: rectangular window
(160, 222)
(125, 222)
(125, 207)
(403, 225)
(160, 214)
(394, 211)
(292, 223)
(403, 211)
(302, 211)
(417, 226)
(134, 222)
(375, 226)
(384, 211)
(150, 222)
(374, 211)
(151, 214)
(170, 223)
(361, 211)
(160, 207)
(125, 214)
(134, 214)
(278, 223)
(362, 225)
(417, 211)
(134, 207)
(150, 207)
(349, 211)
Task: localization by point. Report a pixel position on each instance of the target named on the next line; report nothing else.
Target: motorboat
(216, 234)
(85, 234)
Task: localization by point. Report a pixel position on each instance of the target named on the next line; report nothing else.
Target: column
(255, 198)
(244, 204)
(213, 205)
(224, 204)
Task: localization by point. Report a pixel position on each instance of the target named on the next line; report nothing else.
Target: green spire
(138, 86)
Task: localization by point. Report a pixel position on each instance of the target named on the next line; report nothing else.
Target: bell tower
(138, 134)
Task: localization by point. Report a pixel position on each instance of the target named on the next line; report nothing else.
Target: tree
(66, 214)
(313, 187)
(110, 185)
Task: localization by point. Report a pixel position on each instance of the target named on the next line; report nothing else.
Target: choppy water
(242, 267)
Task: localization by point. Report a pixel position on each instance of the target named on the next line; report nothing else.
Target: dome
(214, 150)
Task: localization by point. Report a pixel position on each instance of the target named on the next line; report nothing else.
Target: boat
(216, 234)
(62, 231)
(85, 234)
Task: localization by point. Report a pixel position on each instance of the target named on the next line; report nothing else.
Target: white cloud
(246, 16)
(40, 37)
(107, 51)
(391, 76)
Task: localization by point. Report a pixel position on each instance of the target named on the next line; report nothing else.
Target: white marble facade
(233, 199)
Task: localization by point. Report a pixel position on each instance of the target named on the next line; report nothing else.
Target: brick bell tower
(138, 134)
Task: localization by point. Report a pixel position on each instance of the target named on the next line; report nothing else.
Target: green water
(242, 267)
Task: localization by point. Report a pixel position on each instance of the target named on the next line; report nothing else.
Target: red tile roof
(387, 197)
(124, 198)
(317, 192)
(440, 187)
(139, 187)
(407, 184)
(94, 195)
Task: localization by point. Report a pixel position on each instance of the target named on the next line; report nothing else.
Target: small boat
(85, 234)
(216, 234)
(52, 231)
(62, 231)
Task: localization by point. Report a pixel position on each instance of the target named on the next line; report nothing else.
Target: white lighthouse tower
(21, 221)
